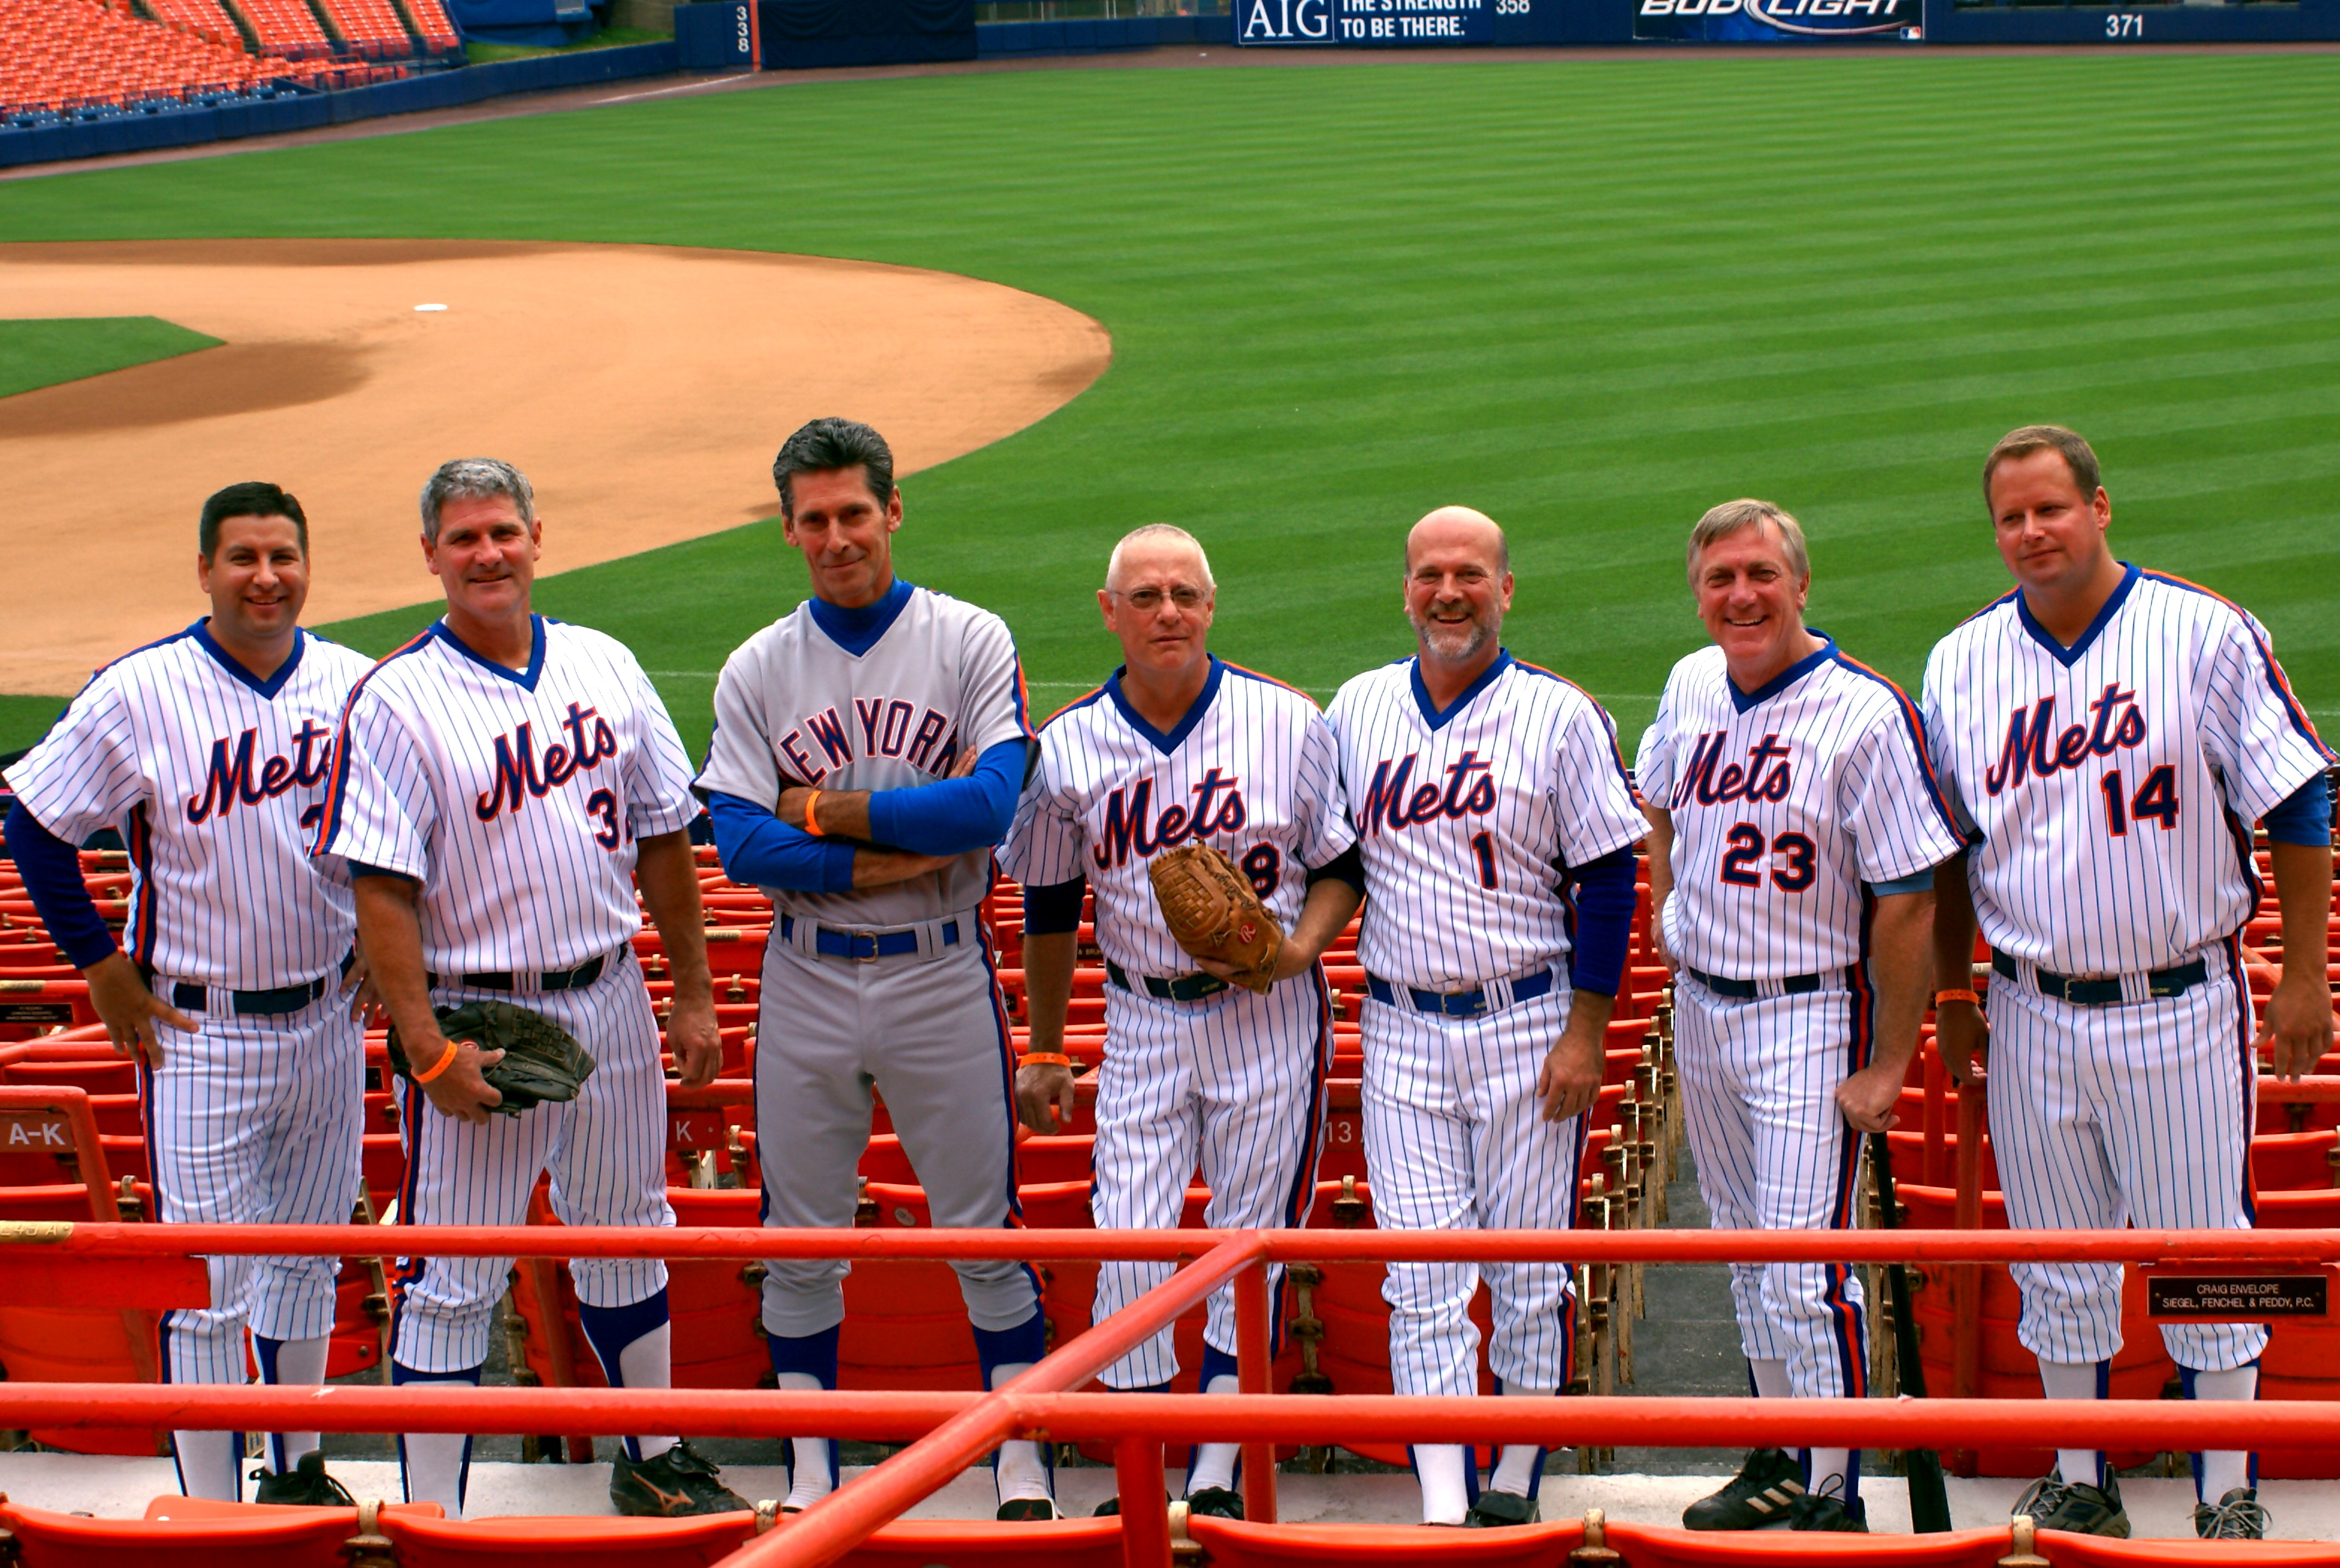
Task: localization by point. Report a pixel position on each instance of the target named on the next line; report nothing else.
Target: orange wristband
(441, 1066)
(1046, 1059)
(812, 823)
(1941, 996)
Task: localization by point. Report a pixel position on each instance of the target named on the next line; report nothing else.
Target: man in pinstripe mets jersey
(1179, 748)
(209, 751)
(500, 783)
(2112, 734)
(1794, 829)
(868, 749)
(1497, 829)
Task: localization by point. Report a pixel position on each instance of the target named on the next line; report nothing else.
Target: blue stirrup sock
(1020, 1469)
(295, 1361)
(1215, 1463)
(806, 1362)
(2220, 1472)
(635, 1346)
(435, 1467)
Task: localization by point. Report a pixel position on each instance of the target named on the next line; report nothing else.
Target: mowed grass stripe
(1590, 296)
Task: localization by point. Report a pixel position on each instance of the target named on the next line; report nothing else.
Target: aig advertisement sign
(1776, 21)
(1407, 23)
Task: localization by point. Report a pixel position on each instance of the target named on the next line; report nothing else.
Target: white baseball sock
(298, 1361)
(2074, 1380)
(1517, 1470)
(1019, 1469)
(812, 1479)
(1445, 1497)
(1770, 1377)
(649, 1363)
(2226, 1469)
(433, 1466)
(208, 1463)
(1215, 1463)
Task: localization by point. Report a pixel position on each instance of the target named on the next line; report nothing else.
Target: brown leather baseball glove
(1213, 912)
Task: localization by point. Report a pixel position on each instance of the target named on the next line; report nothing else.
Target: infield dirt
(643, 388)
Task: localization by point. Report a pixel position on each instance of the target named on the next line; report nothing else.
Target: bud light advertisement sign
(1779, 20)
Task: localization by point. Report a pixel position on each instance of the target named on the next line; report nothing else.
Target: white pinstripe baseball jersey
(1253, 769)
(1784, 802)
(515, 796)
(2113, 782)
(793, 706)
(214, 778)
(1467, 817)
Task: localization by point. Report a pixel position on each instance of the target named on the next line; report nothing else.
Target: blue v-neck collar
(1430, 713)
(2067, 657)
(202, 632)
(1743, 701)
(526, 679)
(1165, 742)
(856, 631)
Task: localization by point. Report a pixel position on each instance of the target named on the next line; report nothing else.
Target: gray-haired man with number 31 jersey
(868, 749)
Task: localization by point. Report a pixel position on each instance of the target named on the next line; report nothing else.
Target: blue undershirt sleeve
(359, 868)
(759, 850)
(955, 815)
(1053, 907)
(52, 873)
(1604, 922)
(2304, 817)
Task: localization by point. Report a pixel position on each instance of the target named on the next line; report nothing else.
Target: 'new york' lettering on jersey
(514, 797)
(1252, 770)
(794, 707)
(1469, 818)
(1784, 801)
(214, 778)
(2114, 783)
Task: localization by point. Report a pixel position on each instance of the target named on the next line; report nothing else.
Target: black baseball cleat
(308, 1486)
(1106, 1509)
(1758, 1497)
(2236, 1516)
(1026, 1510)
(1217, 1502)
(1810, 1513)
(676, 1484)
(1497, 1508)
(2056, 1503)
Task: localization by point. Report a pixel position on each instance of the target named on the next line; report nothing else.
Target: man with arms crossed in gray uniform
(869, 748)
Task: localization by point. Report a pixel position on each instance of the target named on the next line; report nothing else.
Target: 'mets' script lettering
(1764, 775)
(885, 726)
(2028, 750)
(230, 777)
(521, 772)
(1395, 801)
(1218, 807)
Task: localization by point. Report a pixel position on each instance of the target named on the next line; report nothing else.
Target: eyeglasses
(1146, 601)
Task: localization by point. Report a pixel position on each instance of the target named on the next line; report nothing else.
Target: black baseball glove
(543, 1061)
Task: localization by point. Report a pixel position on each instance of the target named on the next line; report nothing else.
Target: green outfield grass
(1592, 297)
(45, 351)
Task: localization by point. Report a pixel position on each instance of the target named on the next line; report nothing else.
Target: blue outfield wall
(308, 111)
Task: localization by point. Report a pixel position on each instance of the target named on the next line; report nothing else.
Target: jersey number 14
(2155, 800)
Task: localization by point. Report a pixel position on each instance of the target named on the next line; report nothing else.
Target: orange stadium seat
(193, 1532)
(425, 1542)
(1234, 1544)
(924, 1543)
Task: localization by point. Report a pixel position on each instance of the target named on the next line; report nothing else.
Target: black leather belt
(2174, 982)
(193, 998)
(575, 979)
(864, 947)
(1748, 991)
(1183, 988)
(1455, 1004)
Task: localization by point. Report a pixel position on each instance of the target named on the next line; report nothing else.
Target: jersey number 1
(2156, 799)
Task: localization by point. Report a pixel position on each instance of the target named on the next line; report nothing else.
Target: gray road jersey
(793, 707)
